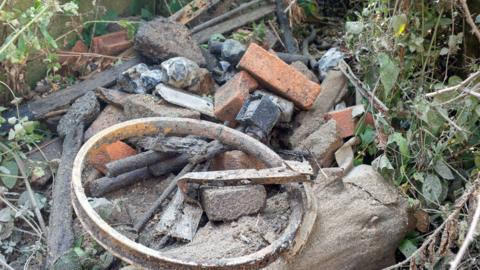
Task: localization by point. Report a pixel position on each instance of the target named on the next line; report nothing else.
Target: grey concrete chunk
(139, 106)
(161, 39)
(232, 202)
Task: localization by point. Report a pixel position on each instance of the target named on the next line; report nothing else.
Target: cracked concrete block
(232, 202)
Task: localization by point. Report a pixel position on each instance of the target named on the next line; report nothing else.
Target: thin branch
(377, 104)
(458, 207)
(468, 239)
(470, 78)
(31, 195)
(4, 264)
(468, 17)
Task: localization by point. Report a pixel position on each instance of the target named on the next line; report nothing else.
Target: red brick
(67, 59)
(111, 44)
(110, 116)
(106, 153)
(279, 77)
(230, 97)
(235, 160)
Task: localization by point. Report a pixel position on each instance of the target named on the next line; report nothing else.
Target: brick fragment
(79, 47)
(110, 116)
(235, 160)
(232, 202)
(279, 77)
(323, 143)
(106, 153)
(111, 44)
(230, 97)
(346, 124)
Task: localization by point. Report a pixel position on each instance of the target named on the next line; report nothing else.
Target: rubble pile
(250, 88)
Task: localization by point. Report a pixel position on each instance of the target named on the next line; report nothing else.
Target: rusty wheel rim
(140, 255)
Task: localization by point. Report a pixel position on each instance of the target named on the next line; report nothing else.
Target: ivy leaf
(401, 142)
(382, 164)
(432, 189)
(399, 24)
(10, 180)
(389, 72)
(407, 247)
(443, 170)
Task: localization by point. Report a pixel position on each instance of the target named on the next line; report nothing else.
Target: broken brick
(279, 77)
(110, 116)
(235, 160)
(111, 44)
(345, 122)
(232, 202)
(323, 143)
(230, 97)
(106, 153)
(78, 48)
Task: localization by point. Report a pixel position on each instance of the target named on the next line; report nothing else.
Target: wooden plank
(193, 10)
(180, 219)
(66, 96)
(229, 25)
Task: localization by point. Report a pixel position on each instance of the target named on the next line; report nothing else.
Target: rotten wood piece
(293, 171)
(135, 162)
(284, 24)
(174, 144)
(290, 58)
(192, 10)
(180, 219)
(104, 185)
(38, 109)
(225, 16)
(60, 236)
(234, 23)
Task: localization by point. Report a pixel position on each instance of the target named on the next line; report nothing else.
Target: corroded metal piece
(142, 256)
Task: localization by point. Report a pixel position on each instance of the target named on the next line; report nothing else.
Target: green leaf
(354, 28)
(368, 136)
(401, 142)
(382, 164)
(10, 181)
(6, 215)
(48, 38)
(407, 247)
(399, 24)
(432, 189)
(389, 72)
(443, 170)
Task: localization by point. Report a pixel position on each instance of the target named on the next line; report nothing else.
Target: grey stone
(83, 111)
(180, 72)
(232, 51)
(152, 78)
(329, 60)
(231, 202)
(286, 106)
(300, 66)
(140, 106)
(360, 223)
(259, 112)
(162, 39)
(323, 143)
(130, 80)
(306, 122)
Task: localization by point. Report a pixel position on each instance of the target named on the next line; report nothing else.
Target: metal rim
(140, 255)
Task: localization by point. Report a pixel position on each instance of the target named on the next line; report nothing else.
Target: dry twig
(463, 84)
(469, 19)
(468, 239)
(459, 203)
